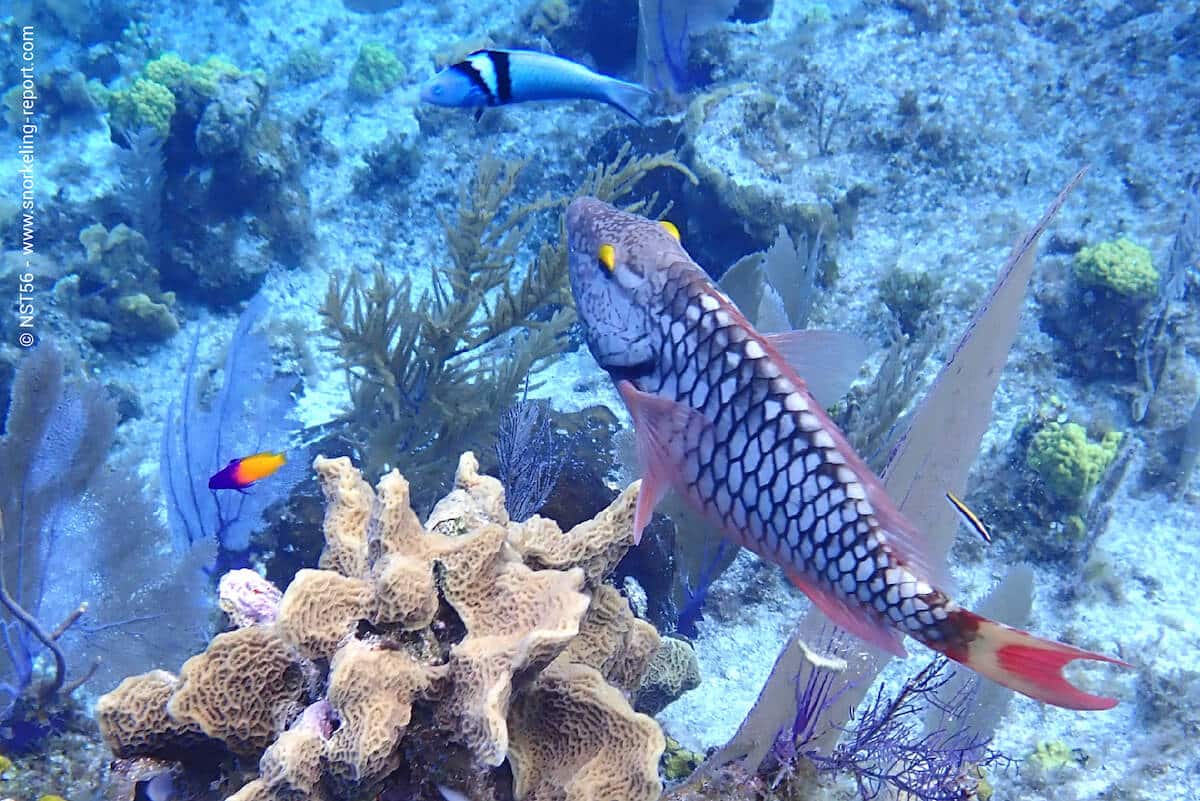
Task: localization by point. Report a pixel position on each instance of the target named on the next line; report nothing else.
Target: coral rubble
(419, 656)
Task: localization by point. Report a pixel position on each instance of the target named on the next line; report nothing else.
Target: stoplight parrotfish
(722, 417)
(500, 77)
(244, 472)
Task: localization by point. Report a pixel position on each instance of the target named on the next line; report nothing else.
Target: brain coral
(421, 655)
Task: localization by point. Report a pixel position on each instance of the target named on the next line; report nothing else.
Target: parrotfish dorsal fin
(828, 361)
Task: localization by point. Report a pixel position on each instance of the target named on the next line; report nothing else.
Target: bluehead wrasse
(972, 519)
(242, 473)
(500, 77)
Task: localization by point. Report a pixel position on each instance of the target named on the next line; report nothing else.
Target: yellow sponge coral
(500, 637)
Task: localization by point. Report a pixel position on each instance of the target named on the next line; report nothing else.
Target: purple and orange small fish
(242, 473)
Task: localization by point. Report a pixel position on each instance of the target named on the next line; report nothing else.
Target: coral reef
(375, 71)
(58, 490)
(229, 174)
(117, 289)
(441, 651)
(673, 672)
(1068, 461)
(428, 372)
(1119, 266)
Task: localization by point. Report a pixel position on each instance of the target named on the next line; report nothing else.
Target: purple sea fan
(530, 458)
(890, 748)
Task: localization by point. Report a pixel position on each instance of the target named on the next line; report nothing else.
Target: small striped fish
(722, 417)
(500, 77)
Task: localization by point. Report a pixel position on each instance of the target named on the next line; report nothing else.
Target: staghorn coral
(419, 654)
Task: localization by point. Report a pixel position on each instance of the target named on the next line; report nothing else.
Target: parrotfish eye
(607, 256)
(438, 90)
(670, 228)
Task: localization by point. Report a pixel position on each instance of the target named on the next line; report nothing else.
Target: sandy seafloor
(1023, 111)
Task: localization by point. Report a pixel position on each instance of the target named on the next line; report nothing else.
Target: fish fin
(1030, 665)
(856, 621)
(827, 361)
(905, 540)
(623, 95)
(662, 429)
(478, 113)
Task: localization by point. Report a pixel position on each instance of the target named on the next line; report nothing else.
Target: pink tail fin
(1030, 665)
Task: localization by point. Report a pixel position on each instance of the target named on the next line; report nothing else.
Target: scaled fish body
(723, 418)
(500, 77)
(241, 473)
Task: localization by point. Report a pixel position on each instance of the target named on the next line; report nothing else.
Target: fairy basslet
(500, 77)
(242, 473)
(722, 417)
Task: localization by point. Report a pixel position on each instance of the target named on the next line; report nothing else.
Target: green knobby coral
(1120, 266)
(678, 762)
(375, 71)
(180, 76)
(1052, 755)
(170, 70)
(306, 64)
(145, 104)
(1067, 461)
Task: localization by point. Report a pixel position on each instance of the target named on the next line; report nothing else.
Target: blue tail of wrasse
(623, 96)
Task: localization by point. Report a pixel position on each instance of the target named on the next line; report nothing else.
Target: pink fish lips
(723, 418)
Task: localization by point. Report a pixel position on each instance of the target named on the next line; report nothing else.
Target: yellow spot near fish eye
(670, 228)
(608, 257)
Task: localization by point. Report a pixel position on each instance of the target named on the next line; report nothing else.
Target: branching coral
(416, 649)
(451, 359)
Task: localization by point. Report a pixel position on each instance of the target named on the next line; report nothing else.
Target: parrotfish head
(457, 86)
(619, 265)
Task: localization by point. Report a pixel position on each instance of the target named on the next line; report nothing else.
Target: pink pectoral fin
(662, 428)
(857, 621)
(652, 491)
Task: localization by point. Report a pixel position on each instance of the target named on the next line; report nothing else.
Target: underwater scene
(600, 400)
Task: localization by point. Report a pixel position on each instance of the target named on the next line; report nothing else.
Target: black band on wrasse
(503, 75)
(468, 69)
